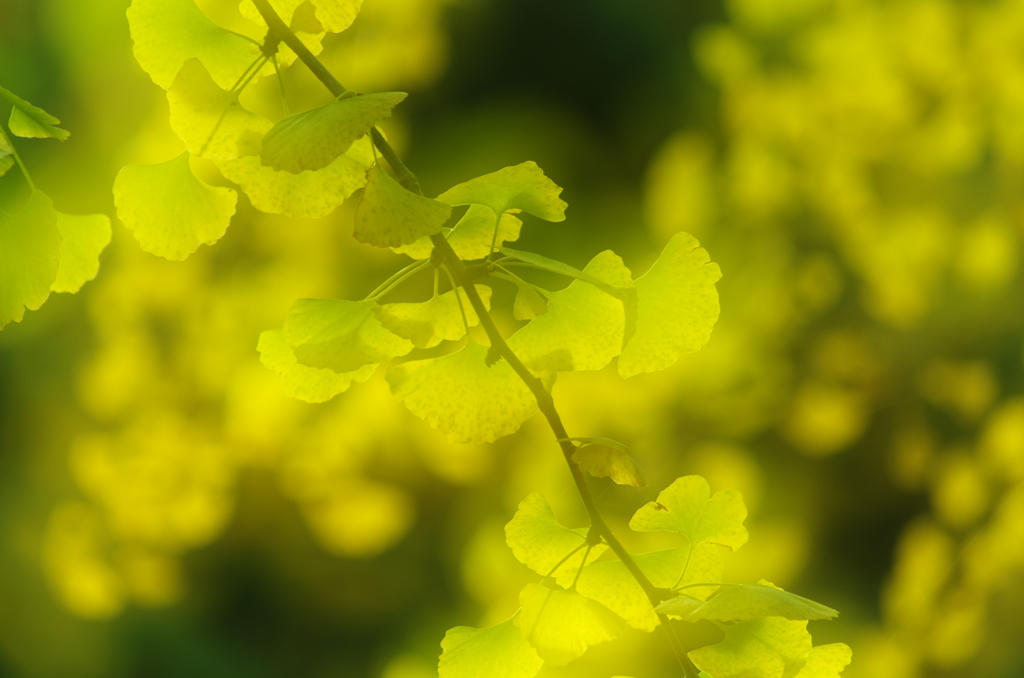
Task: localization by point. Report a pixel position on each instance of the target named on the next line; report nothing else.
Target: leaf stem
(398, 278)
(462, 309)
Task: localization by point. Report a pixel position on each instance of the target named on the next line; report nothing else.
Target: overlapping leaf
(169, 210)
(340, 335)
(523, 187)
(6, 154)
(826, 661)
(561, 625)
(583, 327)
(334, 15)
(677, 305)
(389, 215)
(31, 121)
(209, 119)
(427, 324)
(29, 257)
(687, 507)
(463, 397)
(604, 458)
(471, 237)
(313, 139)
(496, 652)
(622, 289)
(540, 542)
(83, 238)
(770, 647)
(746, 602)
(311, 384)
(530, 301)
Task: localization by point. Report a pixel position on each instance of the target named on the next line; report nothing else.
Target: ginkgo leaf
(169, 210)
(6, 154)
(540, 542)
(687, 507)
(677, 305)
(496, 652)
(463, 397)
(529, 303)
(84, 237)
(770, 647)
(167, 33)
(428, 323)
(561, 625)
(309, 194)
(336, 15)
(30, 121)
(29, 257)
(284, 9)
(583, 327)
(522, 187)
(616, 285)
(745, 602)
(313, 139)
(609, 461)
(310, 384)
(389, 215)
(471, 237)
(209, 119)
(826, 661)
(340, 335)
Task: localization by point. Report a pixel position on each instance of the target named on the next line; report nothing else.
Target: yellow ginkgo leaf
(561, 625)
(826, 661)
(540, 542)
(769, 647)
(496, 652)
(521, 187)
(389, 215)
(311, 384)
(471, 237)
(427, 324)
(607, 459)
(687, 507)
(30, 244)
(85, 236)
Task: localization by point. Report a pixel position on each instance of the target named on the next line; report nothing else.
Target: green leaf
(429, 323)
(388, 215)
(309, 194)
(561, 625)
(522, 187)
(167, 33)
(687, 507)
(340, 335)
(621, 288)
(209, 119)
(584, 326)
(496, 652)
(313, 139)
(540, 542)
(84, 237)
(470, 237)
(769, 647)
(529, 303)
(6, 154)
(826, 661)
(609, 461)
(336, 15)
(30, 121)
(461, 396)
(310, 384)
(29, 257)
(746, 602)
(169, 210)
(677, 305)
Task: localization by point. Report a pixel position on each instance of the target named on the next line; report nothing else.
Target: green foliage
(521, 187)
(497, 652)
(31, 121)
(83, 238)
(562, 624)
(746, 602)
(6, 155)
(311, 384)
(389, 215)
(30, 244)
(687, 507)
(768, 647)
(604, 458)
(542, 543)
(471, 237)
(427, 324)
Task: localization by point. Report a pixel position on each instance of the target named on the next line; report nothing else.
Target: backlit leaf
(770, 647)
(340, 335)
(169, 210)
(677, 305)
(389, 215)
(742, 603)
(470, 237)
(621, 288)
(307, 194)
(209, 119)
(540, 542)
(522, 187)
(310, 384)
(463, 397)
(313, 139)
(687, 507)
(30, 121)
(6, 154)
(284, 9)
(529, 302)
(496, 652)
(826, 661)
(84, 237)
(29, 257)
(167, 33)
(583, 327)
(607, 461)
(336, 15)
(428, 323)
(561, 625)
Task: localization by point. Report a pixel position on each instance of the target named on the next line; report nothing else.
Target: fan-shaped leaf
(340, 335)
(540, 542)
(826, 661)
(622, 288)
(470, 237)
(561, 625)
(167, 33)
(463, 397)
(429, 323)
(496, 652)
(746, 602)
(336, 15)
(388, 215)
(687, 507)
(209, 119)
(769, 647)
(609, 461)
(522, 187)
(29, 257)
(169, 210)
(284, 9)
(677, 305)
(313, 139)
(310, 384)
(30, 121)
(84, 237)
(529, 302)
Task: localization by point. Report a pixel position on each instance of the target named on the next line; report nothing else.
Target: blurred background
(856, 168)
